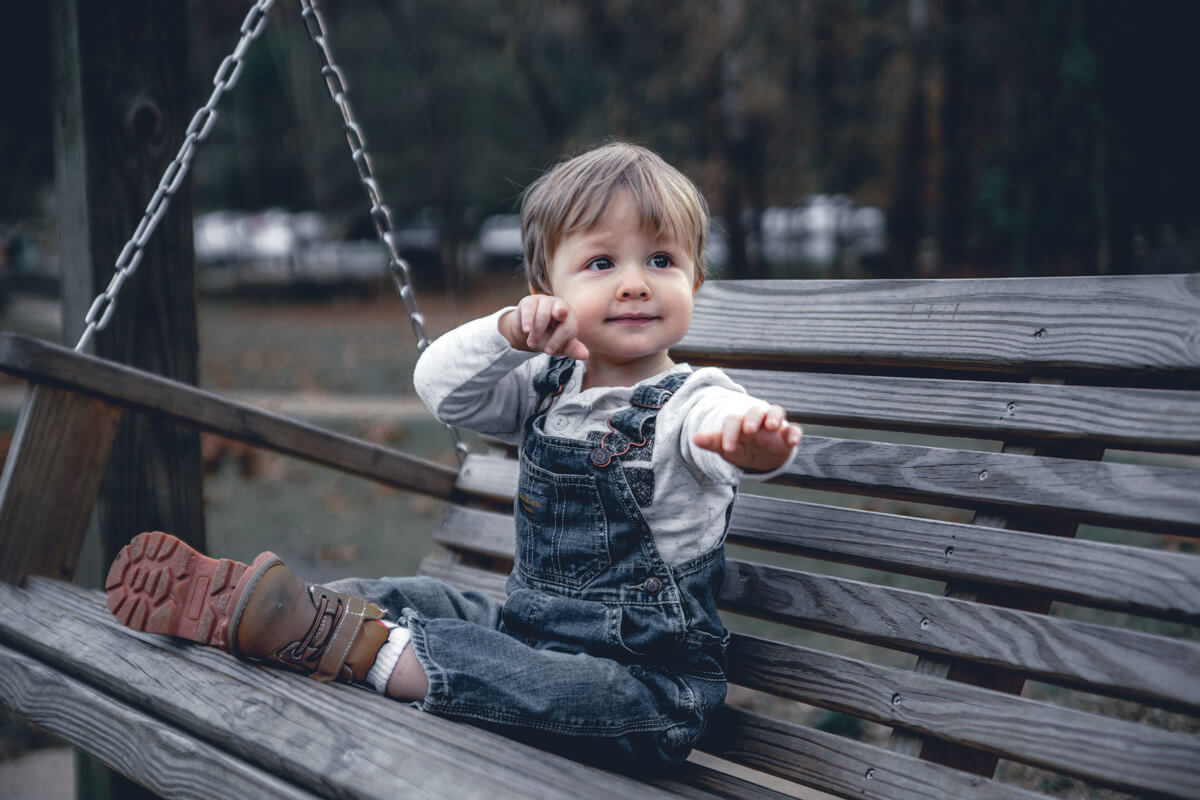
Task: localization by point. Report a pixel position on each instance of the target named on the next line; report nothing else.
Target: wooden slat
(810, 757)
(1133, 579)
(1113, 752)
(1085, 325)
(970, 759)
(1154, 669)
(704, 783)
(50, 480)
(331, 739)
(1134, 419)
(172, 764)
(1125, 578)
(840, 765)
(142, 391)
(1164, 499)
(490, 583)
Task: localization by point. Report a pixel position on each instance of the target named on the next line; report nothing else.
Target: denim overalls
(599, 644)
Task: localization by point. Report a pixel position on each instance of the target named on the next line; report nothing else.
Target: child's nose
(633, 286)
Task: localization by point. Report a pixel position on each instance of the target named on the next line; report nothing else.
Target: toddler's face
(631, 290)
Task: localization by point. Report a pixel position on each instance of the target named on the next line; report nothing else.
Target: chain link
(381, 216)
(105, 304)
(198, 129)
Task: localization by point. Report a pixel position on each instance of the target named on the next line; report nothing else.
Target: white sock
(387, 657)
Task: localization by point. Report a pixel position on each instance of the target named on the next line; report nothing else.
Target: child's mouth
(632, 319)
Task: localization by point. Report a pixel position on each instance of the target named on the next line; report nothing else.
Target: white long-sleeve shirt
(472, 378)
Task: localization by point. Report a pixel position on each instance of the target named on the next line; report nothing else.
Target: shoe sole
(159, 584)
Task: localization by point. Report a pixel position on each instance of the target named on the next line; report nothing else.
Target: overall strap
(633, 426)
(549, 384)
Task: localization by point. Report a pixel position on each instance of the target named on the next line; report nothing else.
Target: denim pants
(600, 649)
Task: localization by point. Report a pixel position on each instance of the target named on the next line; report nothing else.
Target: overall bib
(599, 640)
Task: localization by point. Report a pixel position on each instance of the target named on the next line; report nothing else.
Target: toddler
(608, 645)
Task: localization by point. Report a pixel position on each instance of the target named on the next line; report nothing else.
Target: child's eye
(660, 261)
(600, 263)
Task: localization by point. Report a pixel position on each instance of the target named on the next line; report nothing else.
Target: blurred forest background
(1027, 137)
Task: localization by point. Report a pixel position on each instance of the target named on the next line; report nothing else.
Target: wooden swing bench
(1058, 371)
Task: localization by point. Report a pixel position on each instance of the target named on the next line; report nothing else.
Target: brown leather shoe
(263, 610)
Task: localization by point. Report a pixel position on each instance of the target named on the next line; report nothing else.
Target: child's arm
(759, 440)
(472, 377)
(542, 323)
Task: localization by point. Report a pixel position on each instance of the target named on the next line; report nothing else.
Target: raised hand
(543, 323)
(760, 440)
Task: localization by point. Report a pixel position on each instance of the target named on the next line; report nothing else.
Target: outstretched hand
(542, 323)
(760, 440)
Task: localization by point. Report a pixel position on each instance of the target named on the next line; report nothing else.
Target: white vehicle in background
(237, 251)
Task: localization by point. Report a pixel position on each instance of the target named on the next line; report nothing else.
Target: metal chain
(381, 216)
(102, 308)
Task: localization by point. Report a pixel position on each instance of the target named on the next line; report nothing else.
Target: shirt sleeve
(712, 398)
(473, 378)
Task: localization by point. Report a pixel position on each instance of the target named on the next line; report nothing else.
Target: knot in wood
(143, 123)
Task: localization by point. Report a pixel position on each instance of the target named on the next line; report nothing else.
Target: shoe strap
(355, 611)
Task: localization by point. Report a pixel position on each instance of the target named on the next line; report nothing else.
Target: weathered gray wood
(695, 781)
(1134, 579)
(843, 766)
(330, 739)
(121, 108)
(1154, 669)
(1120, 754)
(807, 756)
(140, 747)
(1165, 499)
(1126, 495)
(970, 759)
(489, 476)
(31, 358)
(1136, 419)
(1144, 325)
(1113, 752)
(50, 481)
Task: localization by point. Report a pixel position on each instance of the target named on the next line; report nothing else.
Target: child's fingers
(526, 309)
(576, 350)
(793, 434)
(541, 320)
(708, 441)
(752, 420)
(773, 418)
(562, 335)
(731, 432)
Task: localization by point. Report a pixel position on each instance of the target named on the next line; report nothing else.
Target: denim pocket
(562, 534)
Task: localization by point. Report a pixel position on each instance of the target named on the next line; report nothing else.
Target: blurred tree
(1034, 136)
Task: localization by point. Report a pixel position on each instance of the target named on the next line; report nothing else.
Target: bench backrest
(918, 564)
(959, 433)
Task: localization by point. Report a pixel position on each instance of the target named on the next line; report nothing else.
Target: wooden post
(120, 110)
(120, 113)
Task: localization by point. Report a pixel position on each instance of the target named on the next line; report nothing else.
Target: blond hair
(574, 194)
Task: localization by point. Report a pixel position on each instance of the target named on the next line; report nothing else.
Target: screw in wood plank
(1040, 333)
(870, 773)
(983, 475)
(1011, 409)
(925, 624)
(949, 552)
(896, 699)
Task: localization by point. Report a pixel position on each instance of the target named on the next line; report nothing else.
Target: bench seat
(979, 558)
